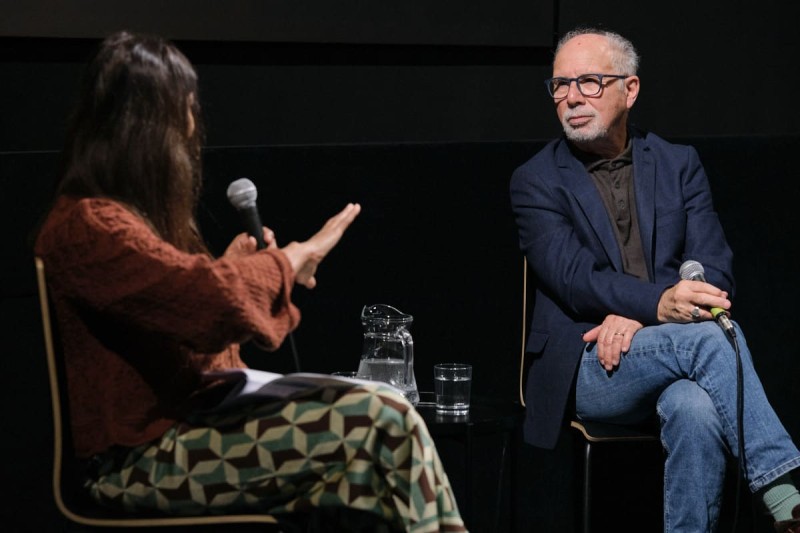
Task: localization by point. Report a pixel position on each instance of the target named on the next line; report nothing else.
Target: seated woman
(148, 317)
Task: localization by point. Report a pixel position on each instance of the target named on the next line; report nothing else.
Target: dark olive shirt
(614, 181)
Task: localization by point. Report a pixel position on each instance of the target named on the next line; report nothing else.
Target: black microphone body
(242, 195)
(694, 271)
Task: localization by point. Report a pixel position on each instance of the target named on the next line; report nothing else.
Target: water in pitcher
(391, 371)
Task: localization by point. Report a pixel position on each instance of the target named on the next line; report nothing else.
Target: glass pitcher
(388, 350)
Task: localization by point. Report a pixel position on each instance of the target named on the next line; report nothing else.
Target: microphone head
(242, 193)
(692, 270)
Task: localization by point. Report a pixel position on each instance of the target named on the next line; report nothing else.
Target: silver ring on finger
(695, 313)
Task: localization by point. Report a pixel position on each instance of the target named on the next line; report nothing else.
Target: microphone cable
(692, 270)
(739, 426)
(294, 352)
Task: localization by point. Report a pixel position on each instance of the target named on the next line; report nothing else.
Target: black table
(487, 417)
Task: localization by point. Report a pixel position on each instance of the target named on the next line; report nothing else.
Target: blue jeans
(687, 374)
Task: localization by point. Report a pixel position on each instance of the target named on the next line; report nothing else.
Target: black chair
(591, 433)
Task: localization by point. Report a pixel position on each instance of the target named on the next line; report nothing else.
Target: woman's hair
(625, 59)
(131, 139)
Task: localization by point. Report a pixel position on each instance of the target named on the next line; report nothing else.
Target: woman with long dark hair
(148, 319)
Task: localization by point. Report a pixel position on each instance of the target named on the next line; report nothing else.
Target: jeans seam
(765, 479)
(666, 494)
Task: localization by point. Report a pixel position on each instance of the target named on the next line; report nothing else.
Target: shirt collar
(593, 161)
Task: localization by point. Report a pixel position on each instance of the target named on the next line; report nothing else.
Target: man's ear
(631, 90)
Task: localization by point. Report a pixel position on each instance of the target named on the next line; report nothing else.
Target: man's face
(591, 119)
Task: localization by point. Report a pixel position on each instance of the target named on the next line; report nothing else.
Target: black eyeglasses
(588, 84)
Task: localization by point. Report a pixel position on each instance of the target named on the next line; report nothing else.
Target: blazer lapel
(590, 202)
(644, 179)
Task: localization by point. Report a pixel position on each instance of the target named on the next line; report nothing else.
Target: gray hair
(625, 58)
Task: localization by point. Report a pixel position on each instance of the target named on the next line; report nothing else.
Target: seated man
(606, 217)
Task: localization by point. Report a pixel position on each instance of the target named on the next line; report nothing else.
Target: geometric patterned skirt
(361, 446)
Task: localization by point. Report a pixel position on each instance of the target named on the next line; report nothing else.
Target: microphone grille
(691, 269)
(242, 193)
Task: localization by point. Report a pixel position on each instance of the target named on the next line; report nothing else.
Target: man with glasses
(607, 215)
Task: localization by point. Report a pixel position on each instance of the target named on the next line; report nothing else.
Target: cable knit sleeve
(105, 257)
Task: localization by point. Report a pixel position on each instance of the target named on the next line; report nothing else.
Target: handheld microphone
(692, 270)
(242, 195)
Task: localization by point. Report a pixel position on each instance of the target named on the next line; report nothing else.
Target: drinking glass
(452, 383)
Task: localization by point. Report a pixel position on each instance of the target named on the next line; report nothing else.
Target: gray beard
(585, 135)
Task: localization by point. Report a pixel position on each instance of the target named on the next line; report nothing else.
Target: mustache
(582, 112)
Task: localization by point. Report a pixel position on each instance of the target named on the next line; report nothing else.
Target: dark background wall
(421, 112)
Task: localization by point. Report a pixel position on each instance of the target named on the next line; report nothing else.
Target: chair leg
(587, 487)
(498, 504)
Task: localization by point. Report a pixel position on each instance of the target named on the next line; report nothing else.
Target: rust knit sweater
(141, 320)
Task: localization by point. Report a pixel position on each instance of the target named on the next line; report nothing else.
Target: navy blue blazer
(568, 238)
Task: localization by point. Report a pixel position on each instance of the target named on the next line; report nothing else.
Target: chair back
(522, 366)
(57, 393)
(72, 502)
